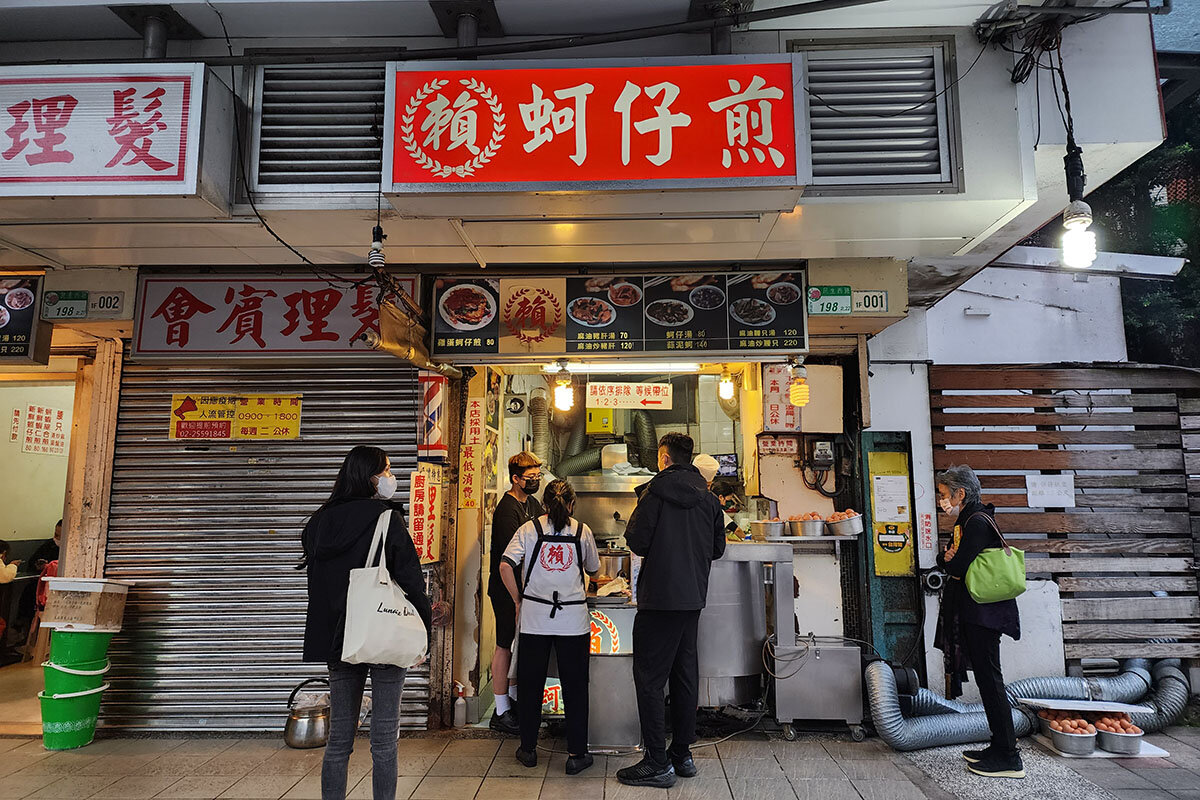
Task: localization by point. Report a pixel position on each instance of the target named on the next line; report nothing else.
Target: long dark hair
(559, 497)
(354, 478)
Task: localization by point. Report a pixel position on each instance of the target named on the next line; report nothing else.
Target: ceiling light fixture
(798, 389)
(564, 389)
(725, 387)
(622, 367)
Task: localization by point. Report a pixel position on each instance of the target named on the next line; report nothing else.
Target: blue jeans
(346, 682)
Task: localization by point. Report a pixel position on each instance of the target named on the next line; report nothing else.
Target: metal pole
(721, 40)
(468, 30)
(154, 38)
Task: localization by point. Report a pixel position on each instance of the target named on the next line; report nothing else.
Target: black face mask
(532, 485)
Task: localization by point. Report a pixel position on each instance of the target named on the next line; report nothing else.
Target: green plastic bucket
(80, 678)
(72, 648)
(69, 720)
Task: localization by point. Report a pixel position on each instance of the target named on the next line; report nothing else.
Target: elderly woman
(969, 632)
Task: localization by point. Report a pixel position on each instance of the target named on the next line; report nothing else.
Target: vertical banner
(425, 501)
(470, 480)
(891, 514)
(779, 415)
(432, 444)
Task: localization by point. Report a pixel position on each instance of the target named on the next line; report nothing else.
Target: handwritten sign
(264, 417)
(46, 431)
(1050, 491)
(425, 503)
(779, 415)
(650, 396)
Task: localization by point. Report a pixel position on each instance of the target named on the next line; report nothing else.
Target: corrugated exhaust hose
(937, 721)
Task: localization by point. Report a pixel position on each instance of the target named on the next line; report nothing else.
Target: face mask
(532, 485)
(386, 487)
(947, 506)
(730, 505)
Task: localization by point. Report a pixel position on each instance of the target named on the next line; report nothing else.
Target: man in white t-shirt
(555, 553)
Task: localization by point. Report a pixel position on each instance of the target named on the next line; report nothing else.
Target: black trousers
(983, 649)
(664, 652)
(533, 659)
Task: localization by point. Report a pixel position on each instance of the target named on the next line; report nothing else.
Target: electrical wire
(332, 279)
(822, 101)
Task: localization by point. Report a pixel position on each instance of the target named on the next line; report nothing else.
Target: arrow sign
(629, 395)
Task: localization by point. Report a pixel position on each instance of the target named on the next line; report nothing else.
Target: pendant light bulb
(798, 389)
(725, 387)
(564, 391)
(1078, 242)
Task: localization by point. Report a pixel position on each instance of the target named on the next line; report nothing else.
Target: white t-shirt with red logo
(556, 571)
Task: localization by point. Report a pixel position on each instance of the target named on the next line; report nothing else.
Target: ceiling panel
(539, 17)
(47, 23)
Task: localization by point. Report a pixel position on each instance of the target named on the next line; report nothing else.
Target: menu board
(617, 315)
(18, 317)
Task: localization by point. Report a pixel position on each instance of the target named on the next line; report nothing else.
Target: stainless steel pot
(614, 563)
(307, 727)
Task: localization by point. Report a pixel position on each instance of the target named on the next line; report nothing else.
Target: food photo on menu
(604, 314)
(467, 319)
(686, 312)
(16, 314)
(766, 309)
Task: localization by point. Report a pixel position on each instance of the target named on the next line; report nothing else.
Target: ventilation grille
(877, 119)
(320, 126)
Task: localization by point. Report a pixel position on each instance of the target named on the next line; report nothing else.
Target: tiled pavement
(444, 767)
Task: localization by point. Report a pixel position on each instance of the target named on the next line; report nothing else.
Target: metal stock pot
(307, 727)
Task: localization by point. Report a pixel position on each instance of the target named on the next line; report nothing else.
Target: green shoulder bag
(997, 573)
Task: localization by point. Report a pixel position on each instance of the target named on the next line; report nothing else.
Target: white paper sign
(650, 396)
(1050, 491)
(891, 498)
(779, 415)
(46, 430)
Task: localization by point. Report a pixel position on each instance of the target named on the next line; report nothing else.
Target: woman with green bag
(968, 632)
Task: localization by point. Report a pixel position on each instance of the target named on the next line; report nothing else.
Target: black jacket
(977, 535)
(336, 540)
(679, 530)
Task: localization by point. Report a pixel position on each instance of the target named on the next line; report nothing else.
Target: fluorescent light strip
(625, 368)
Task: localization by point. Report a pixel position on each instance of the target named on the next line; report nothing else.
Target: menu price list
(467, 319)
(604, 315)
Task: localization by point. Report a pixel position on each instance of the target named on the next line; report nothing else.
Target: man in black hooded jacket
(678, 529)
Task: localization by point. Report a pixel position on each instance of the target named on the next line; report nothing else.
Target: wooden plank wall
(1125, 557)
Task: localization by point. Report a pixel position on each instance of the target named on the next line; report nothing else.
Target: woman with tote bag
(345, 535)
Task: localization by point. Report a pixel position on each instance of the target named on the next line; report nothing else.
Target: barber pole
(432, 445)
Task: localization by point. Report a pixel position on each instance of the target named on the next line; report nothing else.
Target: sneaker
(577, 764)
(648, 773)
(996, 766)
(685, 768)
(527, 757)
(506, 723)
(975, 756)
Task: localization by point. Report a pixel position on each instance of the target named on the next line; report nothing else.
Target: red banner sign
(708, 124)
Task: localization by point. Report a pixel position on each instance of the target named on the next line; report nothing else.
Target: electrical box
(820, 454)
(599, 420)
(823, 414)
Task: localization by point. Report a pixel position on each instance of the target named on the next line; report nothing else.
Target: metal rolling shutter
(319, 127)
(876, 117)
(210, 534)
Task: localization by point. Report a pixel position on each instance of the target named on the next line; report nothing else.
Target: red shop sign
(614, 125)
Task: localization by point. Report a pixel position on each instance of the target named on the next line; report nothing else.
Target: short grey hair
(964, 478)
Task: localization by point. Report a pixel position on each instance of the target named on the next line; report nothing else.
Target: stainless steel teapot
(307, 727)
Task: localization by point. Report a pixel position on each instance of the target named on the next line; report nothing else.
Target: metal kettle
(307, 727)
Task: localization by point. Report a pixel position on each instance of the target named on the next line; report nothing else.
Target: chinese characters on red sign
(722, 123)
(251, 315)
(46, 430)
(70, 130)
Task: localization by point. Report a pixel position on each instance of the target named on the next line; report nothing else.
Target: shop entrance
(38, 404)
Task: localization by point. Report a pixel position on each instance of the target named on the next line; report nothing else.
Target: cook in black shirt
(516, 507)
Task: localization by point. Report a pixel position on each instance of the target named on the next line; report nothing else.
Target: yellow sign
(225, 417)
(599, 420)
(891, 514)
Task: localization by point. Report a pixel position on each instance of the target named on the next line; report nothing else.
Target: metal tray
(1073, 744)
(1129, 744)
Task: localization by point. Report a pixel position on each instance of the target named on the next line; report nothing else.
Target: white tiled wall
(716, 432)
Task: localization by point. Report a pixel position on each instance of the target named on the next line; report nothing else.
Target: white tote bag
(382, 626)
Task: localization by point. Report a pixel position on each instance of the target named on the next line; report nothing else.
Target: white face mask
(947, 506)
(386, 486)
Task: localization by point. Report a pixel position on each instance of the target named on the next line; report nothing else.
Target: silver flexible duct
(939, 721)
(539, 419)
(1168, 699)
(918, 733)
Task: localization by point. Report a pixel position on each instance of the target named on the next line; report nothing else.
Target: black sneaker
(975, 756)
(527, 757)
(506, 723)
(577, 764)
(648, 773)
(997, 766)
(685, 768)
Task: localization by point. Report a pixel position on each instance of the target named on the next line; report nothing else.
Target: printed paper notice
(891, 498)
(1050, 491)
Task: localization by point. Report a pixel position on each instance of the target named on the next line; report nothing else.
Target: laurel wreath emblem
(424, 160)
(544, 333)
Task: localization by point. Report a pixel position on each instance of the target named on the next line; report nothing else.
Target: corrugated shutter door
(877, 117)
(209, 532)
(319, 127)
